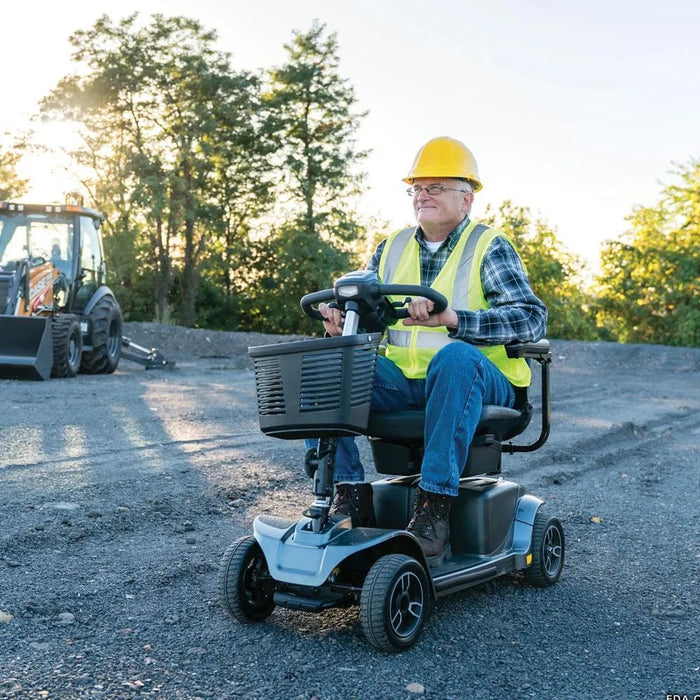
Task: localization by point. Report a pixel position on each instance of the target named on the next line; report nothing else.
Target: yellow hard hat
(445, 157)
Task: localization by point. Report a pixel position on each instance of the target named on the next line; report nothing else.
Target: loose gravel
(120, 493)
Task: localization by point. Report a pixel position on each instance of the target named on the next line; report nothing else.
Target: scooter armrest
(539, 351)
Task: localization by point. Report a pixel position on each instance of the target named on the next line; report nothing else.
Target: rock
(5, 617)
(415, 688)
(66, 618)
(63, 505)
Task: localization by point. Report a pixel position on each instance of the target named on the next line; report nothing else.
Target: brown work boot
(356, 501)
(431, 524)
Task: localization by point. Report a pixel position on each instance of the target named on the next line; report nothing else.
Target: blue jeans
(459, 381)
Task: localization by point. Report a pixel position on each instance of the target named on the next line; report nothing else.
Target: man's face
(444, 210)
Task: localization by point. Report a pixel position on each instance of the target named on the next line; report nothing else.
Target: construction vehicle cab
(58, 317)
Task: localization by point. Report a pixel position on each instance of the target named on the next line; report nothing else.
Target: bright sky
(577, 110)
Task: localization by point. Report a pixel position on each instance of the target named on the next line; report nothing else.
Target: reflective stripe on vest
(412, 347)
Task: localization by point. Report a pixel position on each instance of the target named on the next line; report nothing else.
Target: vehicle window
(37, 236)
(14, 243)
(92, 252)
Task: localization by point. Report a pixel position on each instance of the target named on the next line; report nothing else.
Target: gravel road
(120, 493)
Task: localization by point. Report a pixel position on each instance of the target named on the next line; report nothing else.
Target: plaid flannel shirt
(515, 314)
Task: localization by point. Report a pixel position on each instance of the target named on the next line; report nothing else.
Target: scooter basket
(314, 388)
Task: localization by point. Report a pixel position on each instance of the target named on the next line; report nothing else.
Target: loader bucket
(26, 347)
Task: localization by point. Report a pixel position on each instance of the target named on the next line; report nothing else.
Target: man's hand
(334, 320)
(419, 312)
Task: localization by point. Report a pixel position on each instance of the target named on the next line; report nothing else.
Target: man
(453, 362)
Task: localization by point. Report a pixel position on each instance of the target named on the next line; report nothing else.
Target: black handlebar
(416, 290)
(309, 301)
(370, 296)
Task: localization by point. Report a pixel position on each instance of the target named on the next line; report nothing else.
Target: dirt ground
(120, 493)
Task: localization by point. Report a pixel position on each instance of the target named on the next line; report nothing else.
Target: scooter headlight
(348, 291)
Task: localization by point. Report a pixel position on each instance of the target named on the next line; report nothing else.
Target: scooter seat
(407, 426)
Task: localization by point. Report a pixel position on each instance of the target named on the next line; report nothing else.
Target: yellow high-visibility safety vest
(412, 347)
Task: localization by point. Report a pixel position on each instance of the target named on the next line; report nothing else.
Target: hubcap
(407, 600)
(552, 551)
(255, 578)
(72, 350)
(114, 340)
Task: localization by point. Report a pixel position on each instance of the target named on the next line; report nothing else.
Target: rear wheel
(67, 345)
(395, 602)
(106, 323)
(246, 589)
(547, 551)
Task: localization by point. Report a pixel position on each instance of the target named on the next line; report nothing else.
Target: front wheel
(547, 551)
(395, 602)
(67, 341)
(246, 589)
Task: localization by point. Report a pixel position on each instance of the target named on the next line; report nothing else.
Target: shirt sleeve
(515, 314)
(373, 263)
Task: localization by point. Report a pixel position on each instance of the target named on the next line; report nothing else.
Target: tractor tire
(105, 321)
(67, 345)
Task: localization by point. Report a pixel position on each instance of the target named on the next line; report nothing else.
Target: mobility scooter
(321, 389)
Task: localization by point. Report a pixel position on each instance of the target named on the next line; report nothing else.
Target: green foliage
(312, 108)
(11, 185)
(210, 187)
(311, 113)
(290, 263)
(648, 291)
(554, 273)
(170, 132)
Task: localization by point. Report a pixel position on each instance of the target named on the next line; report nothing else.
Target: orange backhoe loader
(57, 315)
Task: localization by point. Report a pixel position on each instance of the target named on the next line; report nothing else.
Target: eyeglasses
(431, 190)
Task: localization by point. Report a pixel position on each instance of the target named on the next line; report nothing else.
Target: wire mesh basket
(314, 388)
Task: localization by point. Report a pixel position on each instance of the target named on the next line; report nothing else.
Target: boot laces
(343, 496)
(426, 510)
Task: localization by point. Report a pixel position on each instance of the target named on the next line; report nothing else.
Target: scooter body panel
(491, 535)
(296, 555)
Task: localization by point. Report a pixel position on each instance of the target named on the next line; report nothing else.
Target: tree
(12, 185)
(648, 291)
(169, 129)
(554, 273)
(312, 109)
(242, 192)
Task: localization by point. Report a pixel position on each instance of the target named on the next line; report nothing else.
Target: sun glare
(48, 168)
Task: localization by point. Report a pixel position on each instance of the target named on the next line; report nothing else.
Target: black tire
(67, 345)
(246, 589)
(547, 551)
(106, 323)
(395, 602)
